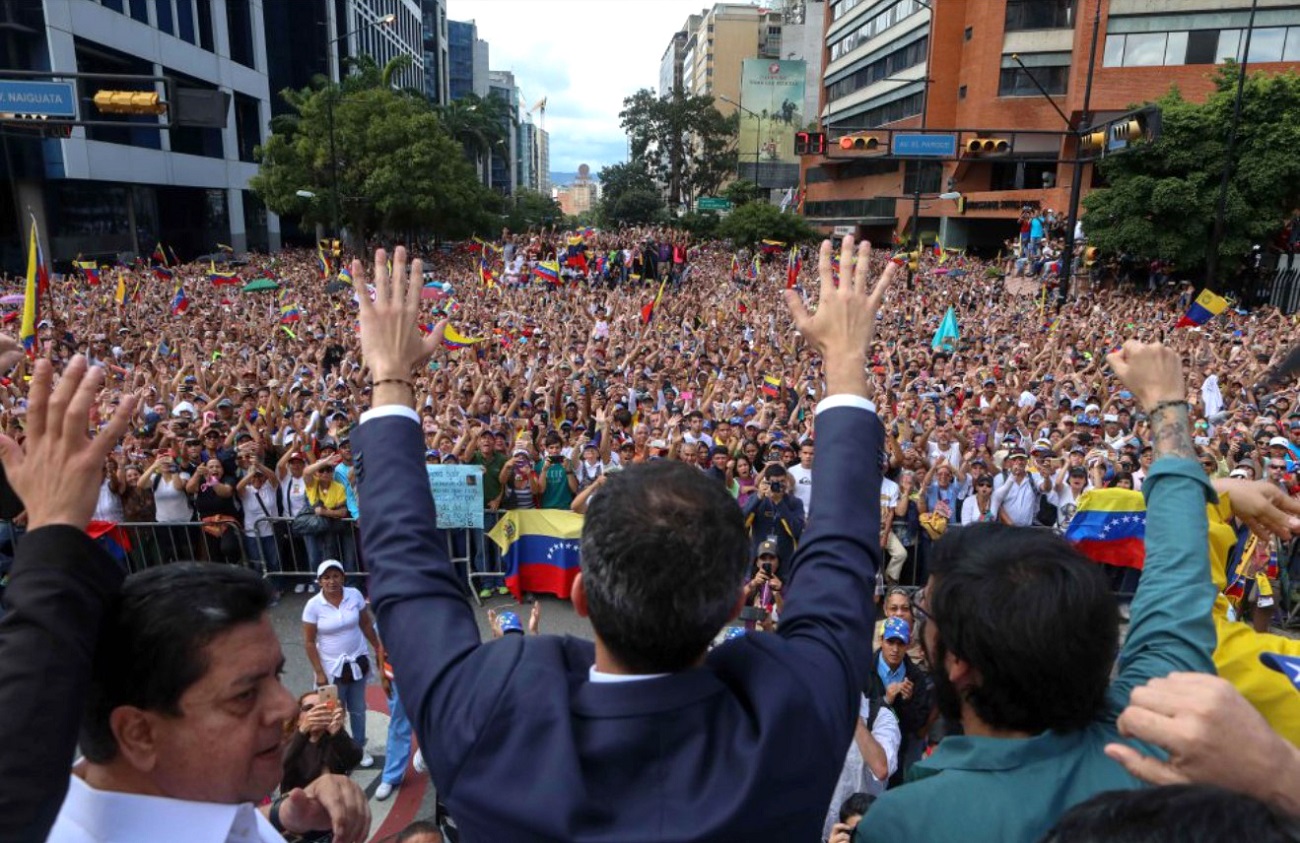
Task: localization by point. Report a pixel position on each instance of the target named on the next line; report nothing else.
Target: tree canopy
(686, 143)
(630, 196)
(1160, 197)
(758, 221)
(397, 169)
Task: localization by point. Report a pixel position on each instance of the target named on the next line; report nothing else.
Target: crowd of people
(589, 371)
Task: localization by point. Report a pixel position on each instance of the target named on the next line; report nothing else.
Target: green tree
(687, 144)
(395, 168)
(704, 225)
(742, 192)
(761, 221)
(630, 195)
(1160, 197)
(530, 209)
(480, 125)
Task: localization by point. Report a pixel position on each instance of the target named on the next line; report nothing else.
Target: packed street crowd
(565, 362)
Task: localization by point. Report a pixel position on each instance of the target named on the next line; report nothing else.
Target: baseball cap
(899, 629)
(767, 548)
(433, 454)
(297, 455)
(326, 565)
(1279, 441)
(509, 622)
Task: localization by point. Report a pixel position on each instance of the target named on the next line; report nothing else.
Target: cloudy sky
(585, 56)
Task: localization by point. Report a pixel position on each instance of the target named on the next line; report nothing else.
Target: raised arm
(829, 607)
(1171, 628)
(427, 625)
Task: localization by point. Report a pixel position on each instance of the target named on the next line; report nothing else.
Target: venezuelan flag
(1110, 527)
(792, 271)
(648, 311)
(771, 386)
(289, 314)
(120, 295)
(453, 339)
(162, 273)
(159, 254)
(1207, 306)
(735, 266)
(113, 539)
(180, 301)
(90, 269)
(548, 271)
(218, 277)
(753, 268)
(31, 298)
(541, 550)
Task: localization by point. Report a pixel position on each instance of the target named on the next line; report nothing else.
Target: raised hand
(391, 342)
(844, 324)
(57, 470)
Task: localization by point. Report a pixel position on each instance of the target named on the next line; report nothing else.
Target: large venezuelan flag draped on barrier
(540, 550)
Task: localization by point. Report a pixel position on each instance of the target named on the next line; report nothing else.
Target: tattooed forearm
(1171, 433)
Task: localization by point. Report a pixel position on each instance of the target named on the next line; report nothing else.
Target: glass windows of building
(873, 26)
(888, 65)
(239, 20)
(1039, 14)
(185, 21)
(1200, 46)
(1017, 81)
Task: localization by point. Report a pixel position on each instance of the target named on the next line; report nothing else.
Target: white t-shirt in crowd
(172, 505)
(889, 492)
(1020, 500)
(970, 511)
(802, 484)
(255, 512)
(338, 629)
(293, 491)
(109, 505)
(952, 453)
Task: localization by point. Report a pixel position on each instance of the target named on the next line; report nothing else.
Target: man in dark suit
(646, 735)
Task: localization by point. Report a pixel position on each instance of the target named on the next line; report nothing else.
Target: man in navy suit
(645, 735)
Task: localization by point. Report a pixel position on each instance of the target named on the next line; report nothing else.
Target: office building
(722, 38)
(503, 175)
(467, 58)
(533, 157)
(881, 53)
(360, 27)
(434, 25)
(109, 191)
(581, 195)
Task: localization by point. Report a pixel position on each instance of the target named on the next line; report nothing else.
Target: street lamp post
(758, 136)
(385, 20)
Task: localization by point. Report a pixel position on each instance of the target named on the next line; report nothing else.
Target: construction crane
(540, 105)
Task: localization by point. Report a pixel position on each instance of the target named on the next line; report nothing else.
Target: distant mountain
(558, 179)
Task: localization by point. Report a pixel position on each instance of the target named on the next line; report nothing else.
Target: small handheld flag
(180, 302)
(771, 386)
(453, 339)
(31, 298)
(289, 314)
(548, 271)
(947, 334)
(648, 311)
(792, 271)
(1207, 306)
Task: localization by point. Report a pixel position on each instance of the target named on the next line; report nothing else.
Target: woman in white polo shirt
(336, 624)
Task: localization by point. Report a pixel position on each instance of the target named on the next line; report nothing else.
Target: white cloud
(584, 56)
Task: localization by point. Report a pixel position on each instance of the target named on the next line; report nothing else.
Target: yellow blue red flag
(541, 550)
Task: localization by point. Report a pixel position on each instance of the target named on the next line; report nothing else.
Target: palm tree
(480, 125)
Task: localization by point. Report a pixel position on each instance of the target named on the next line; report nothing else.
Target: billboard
(771, 93)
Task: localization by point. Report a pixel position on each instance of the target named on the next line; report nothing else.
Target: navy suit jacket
(522, 746)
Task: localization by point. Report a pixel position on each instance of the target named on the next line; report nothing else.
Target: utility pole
(1220, 208)
(1076, 183)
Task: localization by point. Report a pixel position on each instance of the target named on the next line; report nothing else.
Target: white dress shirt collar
(99, 816)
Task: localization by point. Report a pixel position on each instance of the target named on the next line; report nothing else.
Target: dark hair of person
(151, 645)
(415, 829)
(664, 551)
(856, 806)
(1184, 813)
(1015, 603)
(553, 438)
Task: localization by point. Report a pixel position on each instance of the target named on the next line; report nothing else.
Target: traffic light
(1094, 141)
(860, 143)
(1119, 134)
(129, 102)
(809, 143)
(988, 146)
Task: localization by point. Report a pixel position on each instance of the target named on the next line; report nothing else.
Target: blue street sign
(44, 99)
(918, 145)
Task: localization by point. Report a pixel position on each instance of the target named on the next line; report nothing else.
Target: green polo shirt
(491, 474)
(1007, 789)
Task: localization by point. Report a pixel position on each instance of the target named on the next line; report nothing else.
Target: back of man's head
(1174, 814)
(664, 553)
(1033, 617)
(151, 647)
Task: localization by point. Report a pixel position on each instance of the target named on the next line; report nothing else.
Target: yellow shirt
(334, 497)
(1237, 654)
